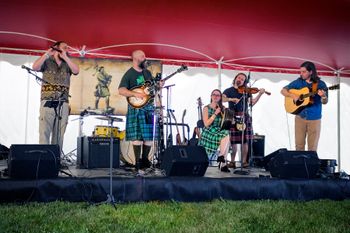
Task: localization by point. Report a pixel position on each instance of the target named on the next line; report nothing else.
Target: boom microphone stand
(157, 121)
(241, 171)
(110, 197)
(111, 119)
(169, 131)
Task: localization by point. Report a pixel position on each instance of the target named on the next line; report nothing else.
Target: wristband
(47, 55)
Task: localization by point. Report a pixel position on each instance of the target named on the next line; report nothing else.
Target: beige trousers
(309, 130)
(47, 123)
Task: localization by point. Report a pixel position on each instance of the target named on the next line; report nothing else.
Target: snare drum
(105, 131)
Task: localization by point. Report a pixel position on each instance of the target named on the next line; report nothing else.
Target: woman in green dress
(212, 137)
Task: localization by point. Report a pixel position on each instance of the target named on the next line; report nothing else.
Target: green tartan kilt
(211, 137)
(139, 124)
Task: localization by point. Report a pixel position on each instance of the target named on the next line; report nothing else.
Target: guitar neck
(312, 93)
(169, 76)
(183, 67)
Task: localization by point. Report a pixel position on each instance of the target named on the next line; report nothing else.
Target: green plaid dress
(211, 136)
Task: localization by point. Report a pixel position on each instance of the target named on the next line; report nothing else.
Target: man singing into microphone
(57, 68)
(236, 103)
(139, 121)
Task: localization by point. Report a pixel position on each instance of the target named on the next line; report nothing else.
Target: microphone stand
(169, 130)
(157, 121)
(110, 197)
(241, 171)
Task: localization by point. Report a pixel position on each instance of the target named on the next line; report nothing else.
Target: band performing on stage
(219, 129)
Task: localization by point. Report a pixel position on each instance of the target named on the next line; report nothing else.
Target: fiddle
(250, 90)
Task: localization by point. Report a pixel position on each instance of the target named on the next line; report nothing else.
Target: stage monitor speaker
(34, 161)
(256, 155)
(294, 164)
(96, 152)
(185, 161)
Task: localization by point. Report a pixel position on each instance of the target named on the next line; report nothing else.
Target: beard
(239, 83)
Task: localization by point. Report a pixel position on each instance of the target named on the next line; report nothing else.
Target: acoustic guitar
(184, 141)
(200, 124)
(295, 107)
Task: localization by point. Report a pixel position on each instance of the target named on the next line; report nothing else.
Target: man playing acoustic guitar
(139, 121)
(308, 117)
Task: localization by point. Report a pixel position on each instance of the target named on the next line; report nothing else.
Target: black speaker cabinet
(34, 161)
(96, 152)
(80, 145)
(185, 161)
(256, 155)
(294, 164)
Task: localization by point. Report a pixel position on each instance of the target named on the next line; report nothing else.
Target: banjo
(149, 88)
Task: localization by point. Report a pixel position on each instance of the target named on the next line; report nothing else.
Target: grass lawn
(217, 216)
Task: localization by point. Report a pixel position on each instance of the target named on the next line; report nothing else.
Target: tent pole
(219, 63)
(338, 120)
(26, 114)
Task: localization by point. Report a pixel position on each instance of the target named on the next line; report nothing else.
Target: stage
(92, 185)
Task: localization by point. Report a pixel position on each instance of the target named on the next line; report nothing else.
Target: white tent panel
(20, 97)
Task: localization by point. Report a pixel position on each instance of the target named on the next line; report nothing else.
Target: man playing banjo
(139, 121)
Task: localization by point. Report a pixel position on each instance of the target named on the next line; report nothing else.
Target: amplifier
(95, 152)
(256, 155)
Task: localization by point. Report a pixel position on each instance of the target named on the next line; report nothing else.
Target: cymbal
(107, 118)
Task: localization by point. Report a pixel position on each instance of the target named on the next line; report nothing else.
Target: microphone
(144, 64)
(248, 78)
(27, 68)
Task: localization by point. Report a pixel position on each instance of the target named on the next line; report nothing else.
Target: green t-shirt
(132, 78)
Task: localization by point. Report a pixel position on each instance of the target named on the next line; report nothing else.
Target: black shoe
(224, 169)
(145, 163)
(220, 159)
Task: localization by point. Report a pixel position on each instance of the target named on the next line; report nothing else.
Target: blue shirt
(313, 111)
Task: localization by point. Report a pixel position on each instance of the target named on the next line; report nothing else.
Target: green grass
(217, 216)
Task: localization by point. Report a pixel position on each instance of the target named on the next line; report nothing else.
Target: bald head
(138, 55)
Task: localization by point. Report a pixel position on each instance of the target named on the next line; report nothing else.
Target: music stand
(57, 106)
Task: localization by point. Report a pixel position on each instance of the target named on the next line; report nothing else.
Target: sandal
(232, 165)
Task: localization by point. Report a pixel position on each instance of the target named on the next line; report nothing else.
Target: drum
(127, 152)
(104, 131)
(227, 119)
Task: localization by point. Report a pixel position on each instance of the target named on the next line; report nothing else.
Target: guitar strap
(313, 90)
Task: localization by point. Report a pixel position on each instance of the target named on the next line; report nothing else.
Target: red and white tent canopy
(253, 34)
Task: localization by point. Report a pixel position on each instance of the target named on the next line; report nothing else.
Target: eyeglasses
(215, 95)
